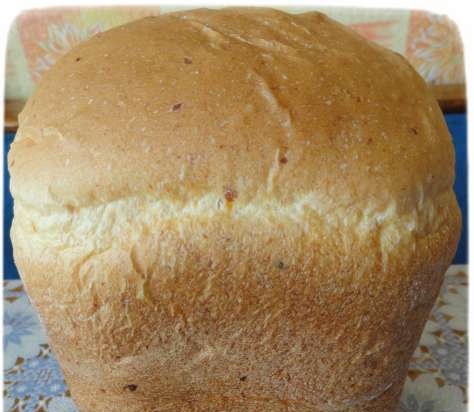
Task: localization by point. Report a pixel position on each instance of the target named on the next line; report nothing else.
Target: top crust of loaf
(246, 106)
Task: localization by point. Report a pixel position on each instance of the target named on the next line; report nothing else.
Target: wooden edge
(451, 98)
(12, 110)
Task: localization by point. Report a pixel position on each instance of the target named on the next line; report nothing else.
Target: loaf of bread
(233, 210)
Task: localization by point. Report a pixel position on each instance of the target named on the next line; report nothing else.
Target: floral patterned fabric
(436, 381)
(38, 38)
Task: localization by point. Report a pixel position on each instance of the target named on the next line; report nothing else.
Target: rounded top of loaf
(245, 105)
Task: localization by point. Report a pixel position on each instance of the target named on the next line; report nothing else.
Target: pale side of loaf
(233, 210)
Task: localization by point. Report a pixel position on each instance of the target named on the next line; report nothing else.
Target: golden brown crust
(257, 101)
(222, 313)
(258, 218)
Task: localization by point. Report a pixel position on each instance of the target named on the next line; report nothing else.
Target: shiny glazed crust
(234, 210)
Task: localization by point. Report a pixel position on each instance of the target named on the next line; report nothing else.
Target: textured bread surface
(233, 210)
